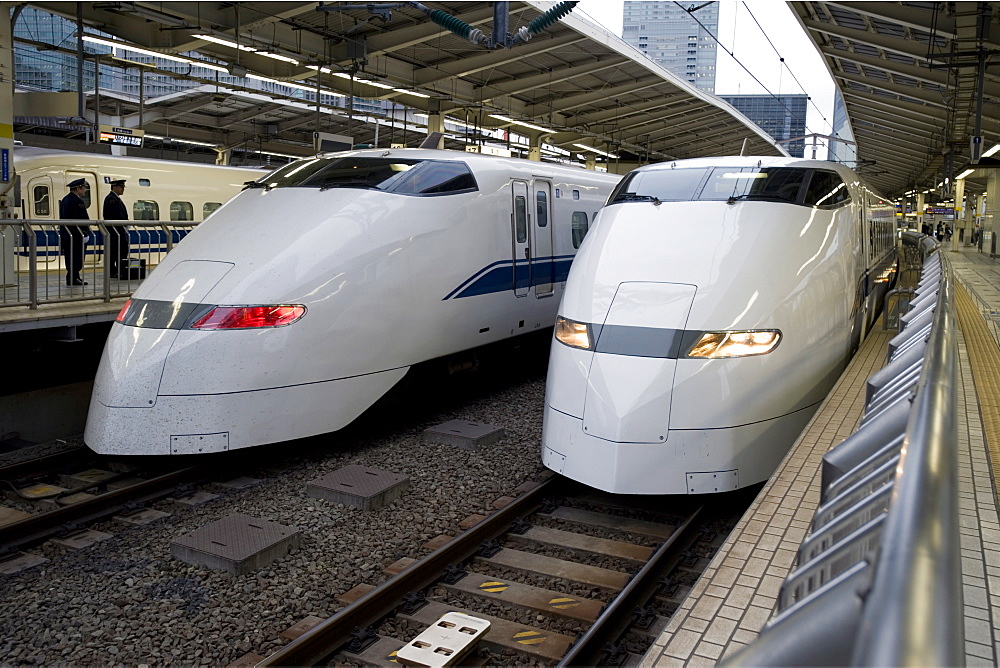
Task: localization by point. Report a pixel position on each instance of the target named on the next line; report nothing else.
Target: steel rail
(37, 528)
(615, 618)
(40, 465)
(324, 639)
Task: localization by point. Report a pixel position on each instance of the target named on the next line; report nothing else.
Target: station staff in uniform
(72, 239)
(116, 244)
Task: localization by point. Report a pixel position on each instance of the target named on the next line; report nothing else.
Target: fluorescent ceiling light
(992, 151)
(278, 56)
(137, 49)
(964, 174)
(243, 47)
(410, 92)
(155, 54)
(595, 150)
(181, 141)
(522, 123)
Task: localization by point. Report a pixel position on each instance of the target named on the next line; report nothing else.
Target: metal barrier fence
(878, 579)
(33, 258)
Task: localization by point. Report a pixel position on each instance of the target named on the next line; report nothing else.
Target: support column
(535, 147)
(959, 214)
(591, 162)
(990, 213)
(8, 235)
(920, 212)
(223, 156)
(435, 122)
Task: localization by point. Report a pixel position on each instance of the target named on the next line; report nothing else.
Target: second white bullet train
(311, 293)
(706, 317)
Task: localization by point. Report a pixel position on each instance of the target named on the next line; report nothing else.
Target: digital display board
(122, 136)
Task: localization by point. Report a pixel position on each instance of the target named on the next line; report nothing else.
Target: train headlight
(250, 317)
(735, 344)
(573, 334)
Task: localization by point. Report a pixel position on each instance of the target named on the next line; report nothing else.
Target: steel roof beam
(900, 15)
(912, 49)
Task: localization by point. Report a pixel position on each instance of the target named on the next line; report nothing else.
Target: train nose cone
(632, 374)
(132, 365)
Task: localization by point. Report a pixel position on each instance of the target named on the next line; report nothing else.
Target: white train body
(635, 411)
(164, 190)
(387, 278)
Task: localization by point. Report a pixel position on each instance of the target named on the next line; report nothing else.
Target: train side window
(181, 211)
(542, 208)
(144, 183)
(826, 189)
(580, 227)
(209, 207)
(145, 210)
(576, 194)
(40, 200)
(520, 219)
(558, 193)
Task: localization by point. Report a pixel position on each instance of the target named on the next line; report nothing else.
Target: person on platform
(116, 245)
(73, 238)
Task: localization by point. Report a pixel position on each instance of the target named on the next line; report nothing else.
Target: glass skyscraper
(670, 35)
(839, 151)
(781, 116)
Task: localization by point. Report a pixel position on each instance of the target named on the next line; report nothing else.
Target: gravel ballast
(127, 601)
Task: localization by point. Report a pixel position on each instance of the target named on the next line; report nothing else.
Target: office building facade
(781, 116)
(671, 35)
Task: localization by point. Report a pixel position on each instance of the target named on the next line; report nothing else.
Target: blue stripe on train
(49, 239)
(498, 277)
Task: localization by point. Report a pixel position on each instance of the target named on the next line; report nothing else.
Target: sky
(752, 49)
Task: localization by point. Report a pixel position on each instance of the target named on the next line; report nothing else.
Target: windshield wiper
(348, 184)
(635, 197)
(758, 197)
(252, 184)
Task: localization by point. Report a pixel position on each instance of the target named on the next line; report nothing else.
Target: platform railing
(878, 579)
(34, 267)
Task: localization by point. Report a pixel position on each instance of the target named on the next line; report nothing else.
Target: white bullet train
(307, 296)
(706, 317)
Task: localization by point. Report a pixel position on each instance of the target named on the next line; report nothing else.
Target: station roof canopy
(574, 81)
(908, 74)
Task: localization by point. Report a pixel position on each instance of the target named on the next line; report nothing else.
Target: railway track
(65, 499)
(563, 575)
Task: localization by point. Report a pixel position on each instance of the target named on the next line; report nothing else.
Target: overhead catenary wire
(732, 55)
(784, 64)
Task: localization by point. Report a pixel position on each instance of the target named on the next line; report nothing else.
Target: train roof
(81, 160)
(472, 159)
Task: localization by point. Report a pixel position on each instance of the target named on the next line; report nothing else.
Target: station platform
(734, 599)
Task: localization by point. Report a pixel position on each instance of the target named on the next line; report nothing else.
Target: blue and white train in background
(302, 300)
(707, 316)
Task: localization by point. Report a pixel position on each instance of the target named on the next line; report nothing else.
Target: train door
(91, 197)
(543, 266)
(520, 239)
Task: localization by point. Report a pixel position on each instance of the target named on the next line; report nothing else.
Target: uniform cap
(118, 182)
(77, 183)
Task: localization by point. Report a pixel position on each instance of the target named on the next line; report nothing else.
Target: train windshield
(395, 175)
(772, 184)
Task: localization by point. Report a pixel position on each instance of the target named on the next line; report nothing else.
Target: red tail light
(249, 317)
(121, 314)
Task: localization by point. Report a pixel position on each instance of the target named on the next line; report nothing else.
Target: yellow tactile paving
(984, 357)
